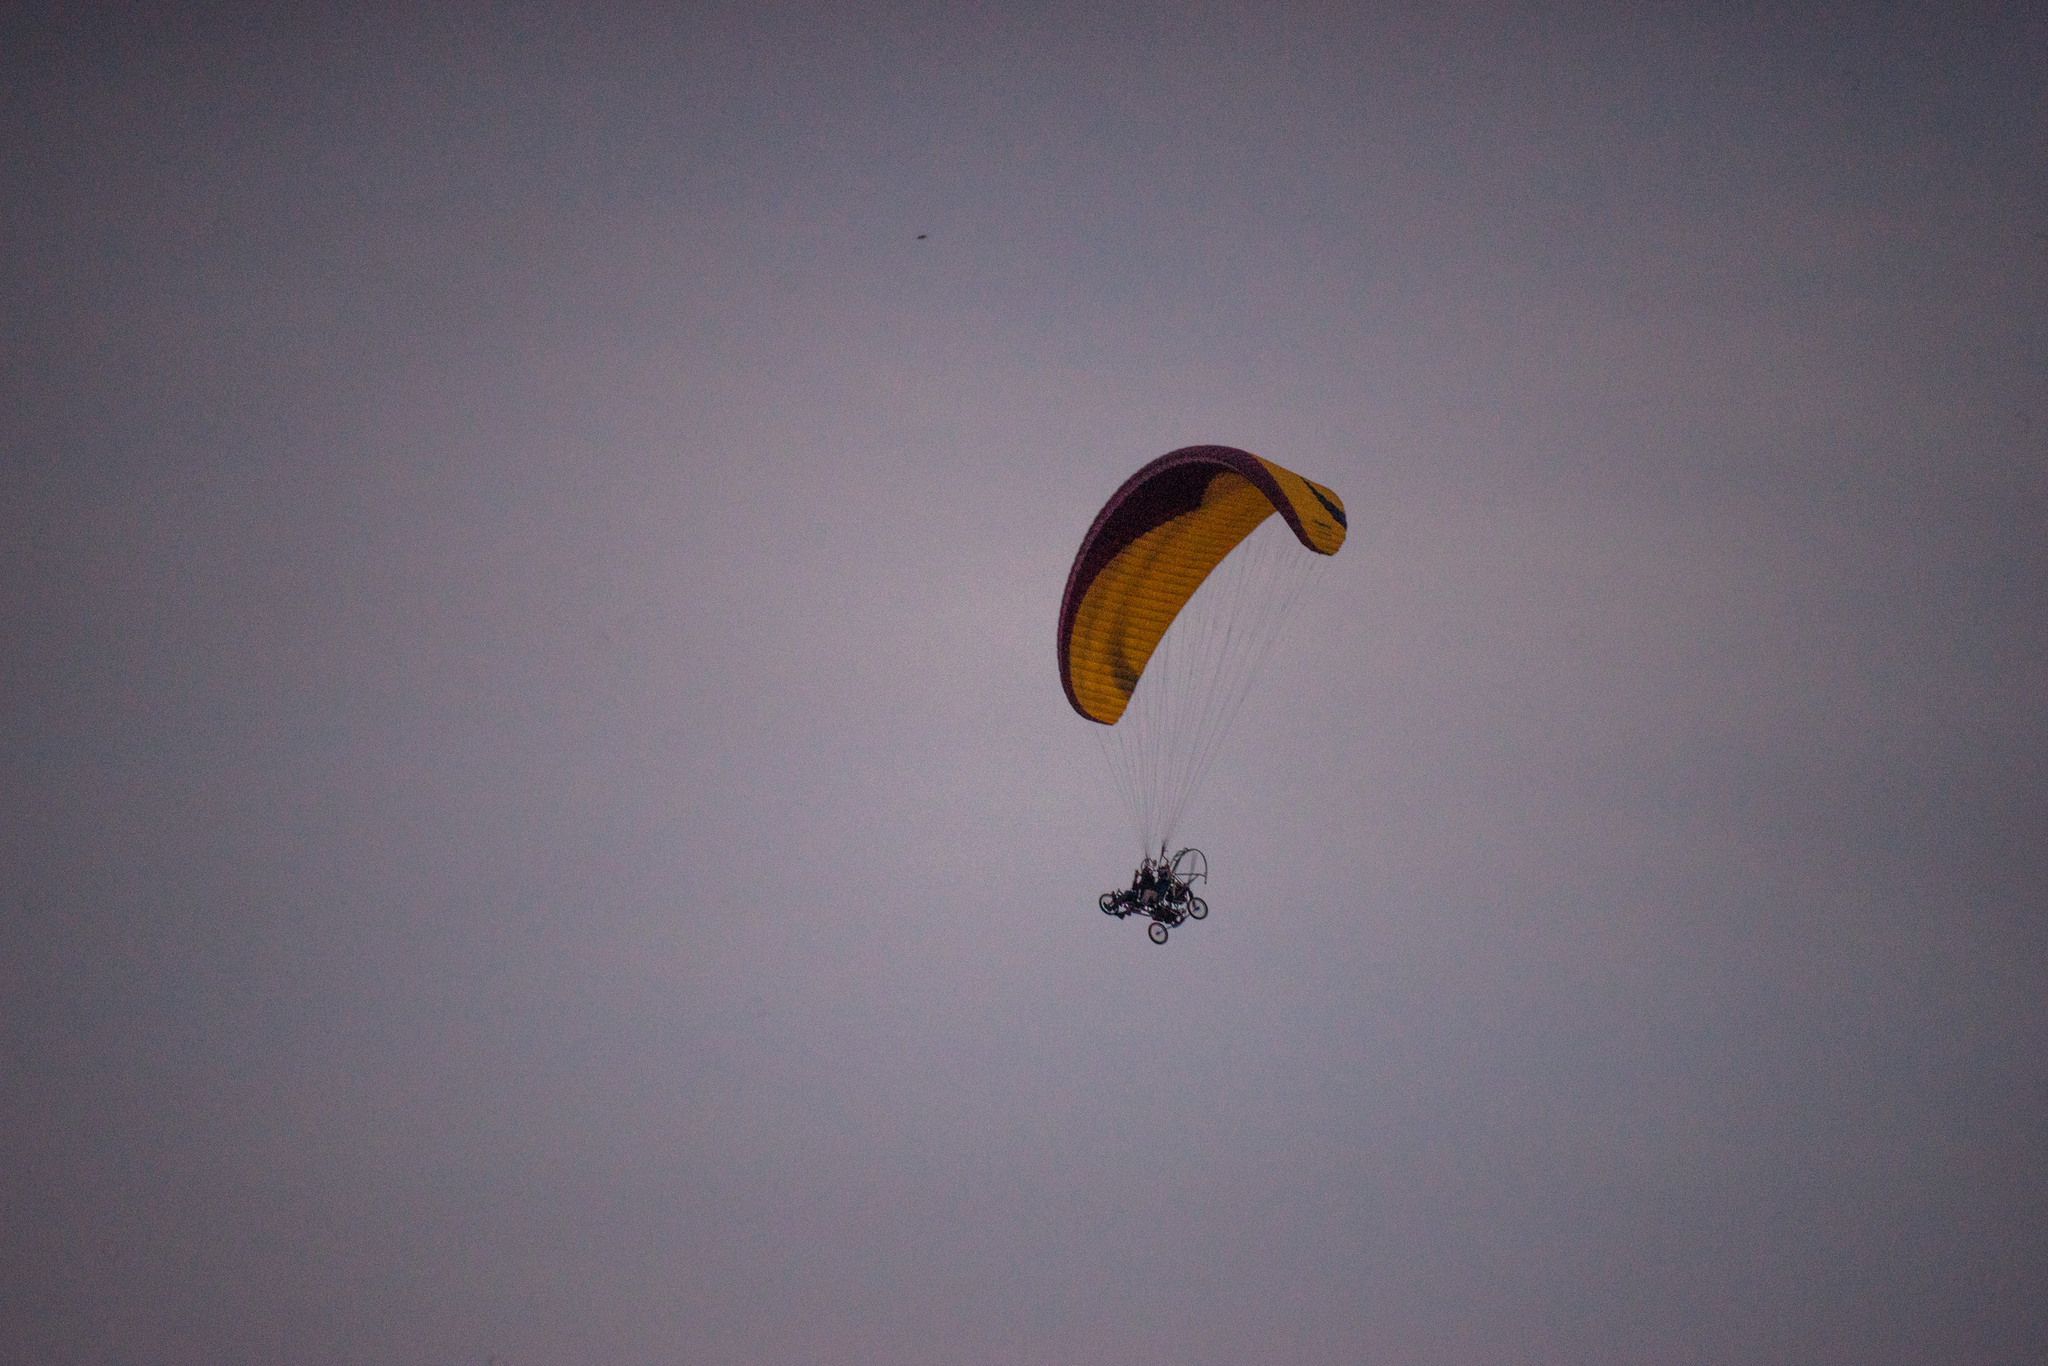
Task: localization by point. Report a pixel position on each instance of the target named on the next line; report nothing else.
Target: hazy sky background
(540, 820)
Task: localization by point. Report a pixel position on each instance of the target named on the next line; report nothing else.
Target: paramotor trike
(1162, 890)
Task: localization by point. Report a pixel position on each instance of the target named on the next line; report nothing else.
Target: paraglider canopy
(1176, 594)
(1151, 547)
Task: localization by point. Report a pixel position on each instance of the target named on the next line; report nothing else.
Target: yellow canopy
(1151, 547)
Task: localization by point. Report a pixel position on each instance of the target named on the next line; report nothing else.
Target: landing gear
(1157, 931)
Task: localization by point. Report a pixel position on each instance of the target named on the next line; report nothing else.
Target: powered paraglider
(1176, 596)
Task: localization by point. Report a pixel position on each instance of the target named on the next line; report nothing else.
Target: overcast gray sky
(540, 819)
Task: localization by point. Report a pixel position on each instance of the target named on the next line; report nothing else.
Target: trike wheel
(1157, 931)
(1198, 908)
(1108, 903)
